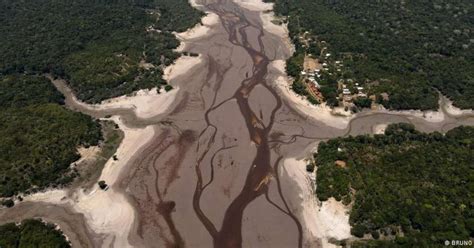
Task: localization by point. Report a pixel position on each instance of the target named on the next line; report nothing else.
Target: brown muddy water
(210, 176)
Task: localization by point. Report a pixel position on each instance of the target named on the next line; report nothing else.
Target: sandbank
(201, 30)
(107, 212)
(330, 220)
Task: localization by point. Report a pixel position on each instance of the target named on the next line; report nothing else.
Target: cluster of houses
(312, 76)
(347, 91)
(348, 96)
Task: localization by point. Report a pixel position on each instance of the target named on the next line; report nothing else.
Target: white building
(316, 84)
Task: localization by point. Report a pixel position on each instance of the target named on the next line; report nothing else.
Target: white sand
(201, 30)
(148, 103)
(254, 5)
(320, 112)
(145, 103)
(194, 3)
(87, 153)
(379, 129)
(336, 117)
(331, 220)
(452, 110)
(107, 212)
(267, 18)
(280, 30)
(56, 196)
(182, 65)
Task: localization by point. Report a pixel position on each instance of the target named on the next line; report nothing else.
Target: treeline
(100, 47)
(405, 49)
(39, 136)
(408, 189)
(103, 49)
(31, 233)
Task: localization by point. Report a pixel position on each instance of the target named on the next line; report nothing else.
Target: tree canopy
(413, 187)
(100, 47)
(31, 233)
(39, 136)
(404, 48)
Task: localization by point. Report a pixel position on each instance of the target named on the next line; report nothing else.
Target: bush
(8, 203)
(312, 100)
(358, 231)
(375, 234)
(102, 185)
(363, 102)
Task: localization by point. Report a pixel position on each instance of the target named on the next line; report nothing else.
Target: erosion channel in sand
(219, 160)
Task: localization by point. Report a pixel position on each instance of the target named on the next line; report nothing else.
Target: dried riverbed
(211, 172)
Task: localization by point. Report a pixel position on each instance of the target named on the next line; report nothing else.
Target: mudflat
(221, 164)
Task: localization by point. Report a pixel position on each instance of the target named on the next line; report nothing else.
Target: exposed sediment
(214, 167)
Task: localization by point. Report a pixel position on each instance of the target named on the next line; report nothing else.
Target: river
(211, 174)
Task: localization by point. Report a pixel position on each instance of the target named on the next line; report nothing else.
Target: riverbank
(321, 113)
(335, 117)
(107, 212)
(323, 222)
(199, 31)
(185, 186)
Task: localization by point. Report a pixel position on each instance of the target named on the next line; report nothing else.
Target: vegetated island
(405, 188)
(103, 50)
(32, 233)
(362, 54)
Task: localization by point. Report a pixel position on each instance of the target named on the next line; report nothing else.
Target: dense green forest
(407, 49)
(39, 136)
(31, 233)
(414, 188)
(98, 46)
